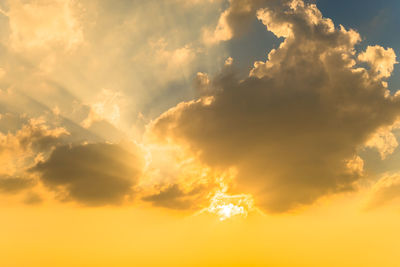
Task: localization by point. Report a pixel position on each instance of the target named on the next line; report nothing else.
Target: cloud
(385, 191)
(10, 122)
(103, 115)
(381, 60)
(92, 174)
(12, 185)
(292, 129)
(172, 60)
(175, 198)
(19, 149)
(221, 33)
(107, 107)
(68, 50)
(234, 21)
(384, 140)
(38, 24)
(190, 3)
(38, 137)
(172, 180)
(34, 133)
(226, 206)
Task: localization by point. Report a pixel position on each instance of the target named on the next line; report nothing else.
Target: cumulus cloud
(34, 133)
(381, 60)
(19, 149)
(92, 174)
(292, 129)
(384, 141)
(234, 21)
(37, 136)
(172, 180)
(202, 83)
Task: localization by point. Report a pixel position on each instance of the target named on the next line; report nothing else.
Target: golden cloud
(92, 174)
(292, 129)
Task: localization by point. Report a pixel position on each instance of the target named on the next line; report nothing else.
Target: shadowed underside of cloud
(34, 135)
(35, 138)
(293, 127)
(14, 185)
(174, 197)
(92, 174)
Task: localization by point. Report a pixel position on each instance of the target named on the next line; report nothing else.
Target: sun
(228, 206)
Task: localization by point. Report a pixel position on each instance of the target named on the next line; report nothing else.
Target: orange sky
(135, 133)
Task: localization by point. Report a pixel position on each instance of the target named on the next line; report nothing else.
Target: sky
(199, 133)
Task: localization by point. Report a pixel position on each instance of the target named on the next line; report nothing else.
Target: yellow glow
(335, 234)
(131, 134)
(229, 206)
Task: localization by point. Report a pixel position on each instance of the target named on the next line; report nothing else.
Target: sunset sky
(199, 133)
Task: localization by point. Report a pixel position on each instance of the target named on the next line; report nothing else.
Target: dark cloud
(238, 17)
(93, 174)
(20, 149)
(14, 185)
(174, 197)
(38, 137)
(240, 14)
(293, 127)
(33, 136)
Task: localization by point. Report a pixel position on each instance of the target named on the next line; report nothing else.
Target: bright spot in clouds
(229, 206)
(121, 119)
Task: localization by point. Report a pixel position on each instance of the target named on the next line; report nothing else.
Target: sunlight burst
(228, 206)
